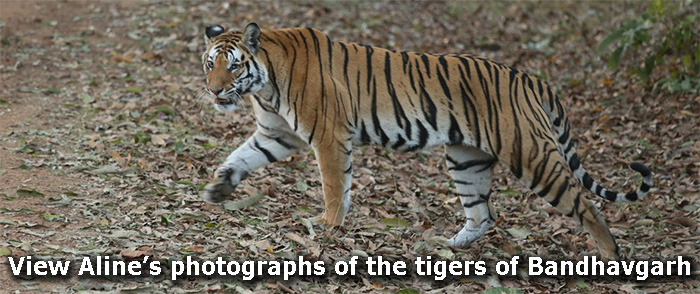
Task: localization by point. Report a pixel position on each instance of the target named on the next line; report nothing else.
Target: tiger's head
(231, 65)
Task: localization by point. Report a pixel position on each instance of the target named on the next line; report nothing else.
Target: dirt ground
(104, 148)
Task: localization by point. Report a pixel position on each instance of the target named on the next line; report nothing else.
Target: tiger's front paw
(324, 220)
(319, 220)
(221, 188)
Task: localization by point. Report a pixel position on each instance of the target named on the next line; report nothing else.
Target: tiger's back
(333, 95)
(400, 100)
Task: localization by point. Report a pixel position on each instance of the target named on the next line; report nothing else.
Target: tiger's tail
(562, 127)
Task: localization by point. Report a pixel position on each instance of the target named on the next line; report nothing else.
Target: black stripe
(460, 182)
(562, 188)
(517, 155)
(282, 142)
(404, 59)
(369, 51)
(557, 121)
(400, 142)
(541, 165)
(445, 88)
(422, 135)
(473, 203)
(493, 115)
(610, 195)
(264, 126)
(577, 202)
(565, 135)
(574, 163)
(486, 196)
(313, 129)
(497, 85)
(588, 182)
(445, 66)
(426, 62)
(455, 134)
(545, 191)
(641, 168)
(346, 62)
(330, 53)
(399, 113)
(568, 147)
(306, 81)
(271, 158)
(487, 98)
(472, 163)
(293, 36)
(364, 136)
(580, 220)
(468, 103)
(375, 116)
(317, 47)
(410, 78)
(426, 103)
(644, 188)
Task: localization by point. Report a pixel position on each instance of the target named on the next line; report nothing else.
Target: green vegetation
(664, 37)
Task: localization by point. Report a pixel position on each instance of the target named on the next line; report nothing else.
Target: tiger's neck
(290, 56)
(268, 96)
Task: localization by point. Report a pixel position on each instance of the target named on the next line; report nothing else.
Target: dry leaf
(127, 253)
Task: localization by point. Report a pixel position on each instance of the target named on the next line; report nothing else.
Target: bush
(667, 34)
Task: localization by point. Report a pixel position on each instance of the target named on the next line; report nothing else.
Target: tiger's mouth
(223, 101)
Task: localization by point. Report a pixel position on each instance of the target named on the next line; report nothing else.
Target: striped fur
(311, 91)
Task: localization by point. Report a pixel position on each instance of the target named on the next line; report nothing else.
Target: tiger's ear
(251, 37)
(213, 31)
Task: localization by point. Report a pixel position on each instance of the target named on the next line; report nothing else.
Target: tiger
(309, 90)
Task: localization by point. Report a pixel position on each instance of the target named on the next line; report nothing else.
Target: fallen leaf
(52, 217)
(510, 192)
(309, 226)
(446, 254)
(510, 248)
(195, 248)
(28, 193)
(296, 238)
(127, 253)
(122, 234)
(243, 203)
(158, 140)
(519, 233)
(394, 222)
(212, 288)
(684, 221)
(502, 290)
(112, 169)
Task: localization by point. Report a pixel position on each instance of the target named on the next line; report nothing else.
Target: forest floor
(104, 149)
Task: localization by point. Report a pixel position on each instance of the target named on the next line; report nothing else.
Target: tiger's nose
(216, 91)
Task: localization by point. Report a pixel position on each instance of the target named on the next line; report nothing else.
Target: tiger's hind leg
(471, 170)
(551, 178)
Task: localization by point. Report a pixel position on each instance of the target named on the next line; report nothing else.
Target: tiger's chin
(225, 107)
